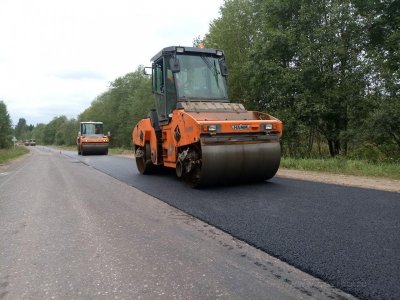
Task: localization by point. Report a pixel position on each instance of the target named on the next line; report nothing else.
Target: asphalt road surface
(68, 231)
(348, 237)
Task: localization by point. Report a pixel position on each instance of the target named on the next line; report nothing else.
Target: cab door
(159, 91)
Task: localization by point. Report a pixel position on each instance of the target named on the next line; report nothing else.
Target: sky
(57, 56)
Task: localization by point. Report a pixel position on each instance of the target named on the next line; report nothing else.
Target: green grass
(10, 154)
(344, 166)
(116, 151)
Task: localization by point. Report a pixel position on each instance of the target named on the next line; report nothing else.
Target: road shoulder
(389, 185)
(5, 166)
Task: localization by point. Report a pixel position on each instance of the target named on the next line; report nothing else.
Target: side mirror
(223, 67)
(146, 70)
(175, 65)
(109, 133)
(79, 133)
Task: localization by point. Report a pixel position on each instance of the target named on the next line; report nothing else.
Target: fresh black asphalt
(349, 237)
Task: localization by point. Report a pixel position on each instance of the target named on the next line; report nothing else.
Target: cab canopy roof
(91, 122)
(181, 49)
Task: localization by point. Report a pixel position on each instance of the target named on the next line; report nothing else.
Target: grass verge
(344, 166)
(119, 151)
(10, 154)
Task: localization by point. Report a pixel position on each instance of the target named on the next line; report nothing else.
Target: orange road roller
(91, 139)
(196, 130)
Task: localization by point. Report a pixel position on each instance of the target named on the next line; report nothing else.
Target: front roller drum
(92, 149)
(235, 163)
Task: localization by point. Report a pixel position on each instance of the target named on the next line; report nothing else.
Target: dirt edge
(390, 185)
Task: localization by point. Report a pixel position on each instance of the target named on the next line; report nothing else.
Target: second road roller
(91, 139)
(196, 130)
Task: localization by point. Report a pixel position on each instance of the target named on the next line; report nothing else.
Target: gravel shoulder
(390, 185)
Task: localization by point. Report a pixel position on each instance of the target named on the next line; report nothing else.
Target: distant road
(69, 231)
(349, 237)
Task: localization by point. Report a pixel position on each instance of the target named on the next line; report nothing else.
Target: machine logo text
(240, 127)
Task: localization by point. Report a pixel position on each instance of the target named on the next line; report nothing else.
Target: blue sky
(56, 56)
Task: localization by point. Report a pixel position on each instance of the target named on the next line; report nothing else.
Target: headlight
(212, 127)
(268, 126)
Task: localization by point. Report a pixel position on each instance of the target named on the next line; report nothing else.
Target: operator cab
(182, 74)
(91, 128)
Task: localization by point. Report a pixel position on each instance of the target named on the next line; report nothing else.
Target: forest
(330, 70)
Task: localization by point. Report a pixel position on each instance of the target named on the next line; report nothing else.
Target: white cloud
(57, 56)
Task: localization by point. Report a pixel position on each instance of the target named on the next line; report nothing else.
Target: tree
(21, 129)
(5, 126)
(126, 102)
(234, 33)
(383, 53)
(303, 61)
(333, 49)
(66, 131)
(38, 133)
(53, 134)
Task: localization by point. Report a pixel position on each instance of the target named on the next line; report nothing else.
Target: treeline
(127, 100)
(6, 129)
(328, 69)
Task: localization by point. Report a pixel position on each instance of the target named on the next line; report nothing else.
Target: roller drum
(237, 163)
(94, 148)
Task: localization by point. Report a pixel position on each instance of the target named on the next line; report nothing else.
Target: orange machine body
(233, 124)
(91, 139)
(196, 130)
